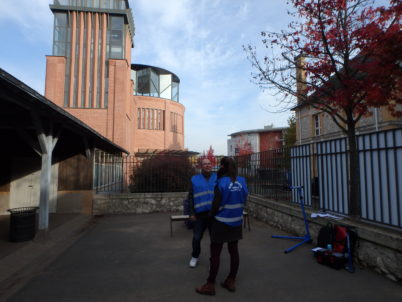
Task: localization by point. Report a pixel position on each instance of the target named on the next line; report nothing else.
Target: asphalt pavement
(133, 258)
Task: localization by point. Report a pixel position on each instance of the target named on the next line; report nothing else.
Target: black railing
(321, 168)
(267, 173)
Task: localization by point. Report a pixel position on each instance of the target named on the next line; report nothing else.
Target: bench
(246, 220)
(173, 218)
(177, 218)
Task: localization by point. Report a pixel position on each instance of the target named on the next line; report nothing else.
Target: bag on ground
(333, 240)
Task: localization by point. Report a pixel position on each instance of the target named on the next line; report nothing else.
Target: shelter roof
(18, 103)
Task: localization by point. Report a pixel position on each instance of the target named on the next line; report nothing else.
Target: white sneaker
(193, 262)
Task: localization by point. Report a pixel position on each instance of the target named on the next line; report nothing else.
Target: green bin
(22, 224)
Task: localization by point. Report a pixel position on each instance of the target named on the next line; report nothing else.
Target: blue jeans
(200, 225)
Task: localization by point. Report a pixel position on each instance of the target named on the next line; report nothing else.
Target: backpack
(341, 253)
(325, 236)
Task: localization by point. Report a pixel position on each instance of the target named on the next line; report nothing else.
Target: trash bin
(22, 224)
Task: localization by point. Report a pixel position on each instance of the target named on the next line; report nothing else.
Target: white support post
(45, 191)
(47, 143)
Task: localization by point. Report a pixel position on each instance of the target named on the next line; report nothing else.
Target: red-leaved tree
(348, 55)
(209, 155)
(243, 150)
(243, 146)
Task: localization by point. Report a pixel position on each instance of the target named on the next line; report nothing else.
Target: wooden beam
(25, 136)
(86, 146)
(40, 132)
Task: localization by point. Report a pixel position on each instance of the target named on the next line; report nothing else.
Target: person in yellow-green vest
(200, 197)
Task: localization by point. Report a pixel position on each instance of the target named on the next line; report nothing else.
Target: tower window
(60, 34)
(150, 119)
(116, 36)
(317, 124)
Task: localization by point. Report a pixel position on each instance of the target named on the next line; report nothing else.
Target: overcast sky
(198, 40)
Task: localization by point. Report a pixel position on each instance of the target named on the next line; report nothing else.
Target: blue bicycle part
(307, 237)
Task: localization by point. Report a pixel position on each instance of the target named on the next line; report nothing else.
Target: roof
(158, 70)
(98, 7)
(18, 101)
(149, 152)
(258, 131)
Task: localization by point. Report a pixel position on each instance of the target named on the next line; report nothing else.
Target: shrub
(162, 173)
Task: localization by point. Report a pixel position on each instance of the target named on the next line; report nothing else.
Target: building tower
(160, 116)
(88, 73)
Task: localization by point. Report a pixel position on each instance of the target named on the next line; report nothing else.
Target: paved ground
(7, 248)
(133, 258)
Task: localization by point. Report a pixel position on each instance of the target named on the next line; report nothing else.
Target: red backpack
(339, 244)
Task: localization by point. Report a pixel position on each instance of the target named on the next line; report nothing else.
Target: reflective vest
(203, 192)
(234, 196)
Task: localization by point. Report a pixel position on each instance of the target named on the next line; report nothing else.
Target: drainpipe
(300, 126)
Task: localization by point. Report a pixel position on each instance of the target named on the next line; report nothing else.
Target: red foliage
(355, 63)
(353, 56)
(210, 155)
(353, 60)
(243, 146)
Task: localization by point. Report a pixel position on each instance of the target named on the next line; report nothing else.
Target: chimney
(300, 78)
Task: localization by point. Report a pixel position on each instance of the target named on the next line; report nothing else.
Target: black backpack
(325, 236)
(337, 236)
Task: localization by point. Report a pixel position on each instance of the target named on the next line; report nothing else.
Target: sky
(201, 41)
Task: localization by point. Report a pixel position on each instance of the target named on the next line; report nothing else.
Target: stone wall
(380, 248)
(138, 203)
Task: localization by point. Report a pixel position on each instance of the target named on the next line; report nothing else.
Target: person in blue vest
(200, 197)
(230, 197)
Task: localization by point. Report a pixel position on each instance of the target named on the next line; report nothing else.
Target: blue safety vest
(234, 196)
(203, 192)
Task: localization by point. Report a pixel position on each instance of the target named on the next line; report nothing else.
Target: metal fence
(380, 158)
(321, 168)
(332, 167)
(267, 173)
(301, 159)
(109, 172)
(147, 174)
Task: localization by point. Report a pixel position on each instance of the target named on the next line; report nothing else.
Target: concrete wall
(79, 201)
(380, 248)
(4, 202)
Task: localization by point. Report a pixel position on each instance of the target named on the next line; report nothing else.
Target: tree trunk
(354, 173)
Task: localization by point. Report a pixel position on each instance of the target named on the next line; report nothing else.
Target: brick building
(257, 140)
(313, 125)
(90, 75)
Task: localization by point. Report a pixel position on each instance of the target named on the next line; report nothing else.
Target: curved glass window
(155, 82)
(147, 83)
(175, 91)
